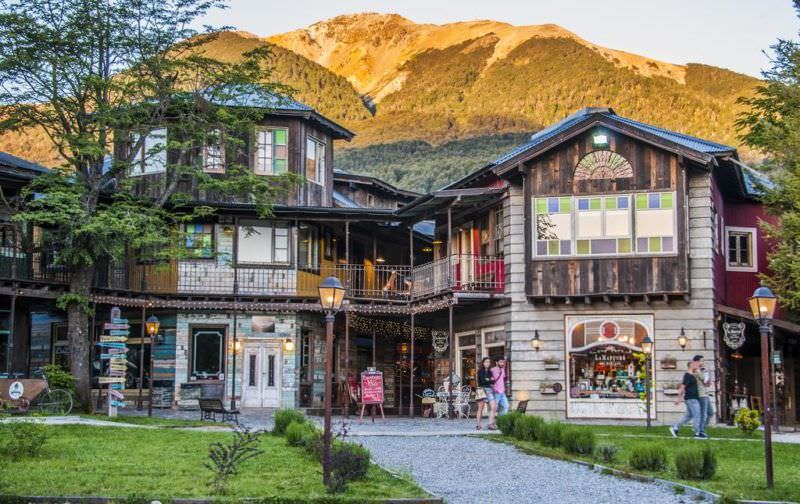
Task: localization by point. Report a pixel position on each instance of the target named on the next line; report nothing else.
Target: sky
(726, 33)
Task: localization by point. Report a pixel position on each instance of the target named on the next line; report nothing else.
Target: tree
(772, 125)
(99, 77)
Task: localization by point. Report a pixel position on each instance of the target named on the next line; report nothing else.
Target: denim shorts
(489, 394)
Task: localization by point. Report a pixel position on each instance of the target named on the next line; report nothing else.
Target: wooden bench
(210, 407)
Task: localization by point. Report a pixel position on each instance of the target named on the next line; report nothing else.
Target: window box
(550, 363)
(671, 388)
(669, 362)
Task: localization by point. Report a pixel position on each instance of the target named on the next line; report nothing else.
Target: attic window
(600, 140)
(603, 164)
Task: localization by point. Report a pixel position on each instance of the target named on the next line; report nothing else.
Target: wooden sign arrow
(117, 404)
(109, 339)
(112, 345)
(118, 332)
(108, 326)
(119, 321)
(112, 379)
(117, 386)
(116, 394)
(117, 351)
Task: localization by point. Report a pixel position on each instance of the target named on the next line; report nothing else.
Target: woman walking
(484, 394)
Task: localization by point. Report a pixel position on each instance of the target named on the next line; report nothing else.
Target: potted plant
(669, 362)
(551, 362)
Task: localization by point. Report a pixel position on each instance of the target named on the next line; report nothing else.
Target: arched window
(603, 164)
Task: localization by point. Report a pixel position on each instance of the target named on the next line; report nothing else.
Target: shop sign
(372, 387)
(733, 334)
(15, 390)
(609, 329)
(440, 342)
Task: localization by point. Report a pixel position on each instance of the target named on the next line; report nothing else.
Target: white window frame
(319, 168)
(258, 148)
(458, 349)
(574, 227)
(753, 248)
(269, 257)
(485, 346)
(221, 146)
(143, 163)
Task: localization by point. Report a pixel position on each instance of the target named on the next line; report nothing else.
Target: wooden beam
(627, 300)
(647, 299)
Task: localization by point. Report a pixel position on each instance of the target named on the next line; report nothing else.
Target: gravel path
(472, 470)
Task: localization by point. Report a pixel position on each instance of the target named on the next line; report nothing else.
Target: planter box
(669, 365)
(672, 391)
(548, 391)
(552, 365)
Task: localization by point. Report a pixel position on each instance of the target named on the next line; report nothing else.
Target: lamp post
(762, 305)
(152, 325)
(331, 295)
(647, 348)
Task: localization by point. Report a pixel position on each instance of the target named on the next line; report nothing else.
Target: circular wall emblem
(609, 329)
(440, 342)
(15, 390)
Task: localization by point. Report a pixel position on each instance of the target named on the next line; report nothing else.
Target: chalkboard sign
(372, 387)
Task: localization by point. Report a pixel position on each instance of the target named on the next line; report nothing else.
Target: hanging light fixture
(536, 343)
(762, 304)
(682, 339)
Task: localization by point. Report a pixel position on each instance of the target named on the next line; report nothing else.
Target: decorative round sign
(609, 329)
(440, 342)
(15, 390)
(733, 334)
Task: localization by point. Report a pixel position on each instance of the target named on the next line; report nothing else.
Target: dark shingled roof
(687, 141)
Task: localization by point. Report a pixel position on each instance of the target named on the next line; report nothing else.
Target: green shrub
(57, 378)
(23, 439)
(549, 434)
(296, 433)
(747, 420)
(349, 462)
(651, 458)
(526, 426)
(696, 463)
(606, 452)
(506, 422)
(578, 441)
(283, 417)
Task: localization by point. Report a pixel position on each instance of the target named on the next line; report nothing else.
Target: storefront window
(5, 336)
(207, 353)
(607, 366)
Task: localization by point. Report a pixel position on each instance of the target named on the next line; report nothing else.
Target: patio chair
(461, 405)
(440, 406)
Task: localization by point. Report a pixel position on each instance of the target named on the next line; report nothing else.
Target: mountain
(429, 103)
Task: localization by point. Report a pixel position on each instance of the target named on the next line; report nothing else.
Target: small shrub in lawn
(525, 427)
(296, 433)
(349, 462)
(606, 452)
(577, 441)
(506, 422)
(23, 439)
(57, 378)
(651, 458)
(696, 463)
(225, 459)
(283, 417)
(747, 420)
(550, 434)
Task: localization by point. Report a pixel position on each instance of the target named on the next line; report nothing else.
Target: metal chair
(440, 407)
(461, 405)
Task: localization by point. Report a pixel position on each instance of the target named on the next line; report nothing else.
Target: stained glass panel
(603, 164)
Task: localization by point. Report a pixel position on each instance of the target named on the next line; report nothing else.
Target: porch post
(141, 358)
(347, 322)
(11, 335)
(373, 347)
(411, 373)
(235, 307)
(452, 343)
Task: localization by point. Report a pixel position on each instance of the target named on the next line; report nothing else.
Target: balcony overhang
(428, 206)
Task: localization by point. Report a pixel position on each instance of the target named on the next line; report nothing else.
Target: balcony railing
(210, 277)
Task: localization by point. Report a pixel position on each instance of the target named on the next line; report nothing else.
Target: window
(5, 340)
(271, 370)
(251, 370)
(60, 346)
(741, 250)
(199, 240)
(151, 156)
(263, 242)
(714, 230)
(655, 222)
(604, 225)
(370, 200)
(315, 161)
(308, 247)
(271, 151)
(207, 352)
(619, 224)
(498, 232)
(214, 153)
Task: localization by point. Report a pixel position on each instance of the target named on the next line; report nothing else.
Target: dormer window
(151, 154)
(214, 153)
(272, 151)
(315, 161)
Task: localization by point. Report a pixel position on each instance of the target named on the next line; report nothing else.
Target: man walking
(499, 387)
(703, 382)
(689, 393)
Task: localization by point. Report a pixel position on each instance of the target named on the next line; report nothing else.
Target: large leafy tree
(97, 76)
(772, 125)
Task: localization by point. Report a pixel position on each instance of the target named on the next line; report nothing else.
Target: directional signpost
(113, 349)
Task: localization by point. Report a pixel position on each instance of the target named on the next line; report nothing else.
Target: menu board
(372, 387)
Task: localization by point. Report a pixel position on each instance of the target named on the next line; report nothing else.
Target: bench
(210, 407)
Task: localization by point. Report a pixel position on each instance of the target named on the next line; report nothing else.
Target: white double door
(262, 375)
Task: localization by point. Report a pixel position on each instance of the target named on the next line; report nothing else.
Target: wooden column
(11, 335)
(141, 359)
(411, 362)
(235, 307)
(374, 360)
(452, 346)
(347, 322)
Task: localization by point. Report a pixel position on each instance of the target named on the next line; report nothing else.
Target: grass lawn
(80, 460)
(156, 421)
(740, 467)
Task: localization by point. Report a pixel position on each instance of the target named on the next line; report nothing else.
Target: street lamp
(682, 340)
(536, 343)
(762, 305)
(331, 295)
(647, 348)
(151, 325)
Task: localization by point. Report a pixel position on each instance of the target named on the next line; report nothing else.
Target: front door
(262, 375)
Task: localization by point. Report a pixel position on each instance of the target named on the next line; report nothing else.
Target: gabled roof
(18, 169)
(343, 176)
(703, 149)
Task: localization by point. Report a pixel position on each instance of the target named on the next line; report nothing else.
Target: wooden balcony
(193, 278)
